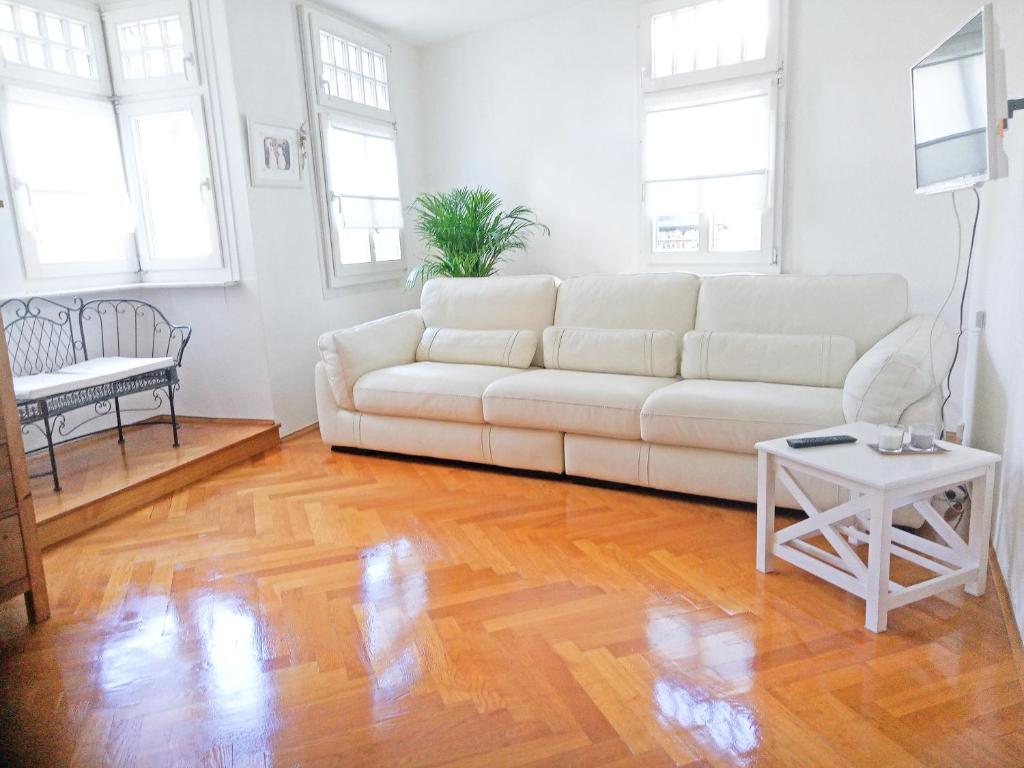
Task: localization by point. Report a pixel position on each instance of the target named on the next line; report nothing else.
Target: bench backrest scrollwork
(129, 328)
(41, 335)
(44, 335)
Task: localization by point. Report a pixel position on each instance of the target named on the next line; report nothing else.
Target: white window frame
(22, 74)
(343, 272)
(689, 86)
(118, 14)
(147, 95)
(122, 269)
(323, 107)
(175, 269)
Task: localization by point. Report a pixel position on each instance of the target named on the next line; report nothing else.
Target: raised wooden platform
(102, 479)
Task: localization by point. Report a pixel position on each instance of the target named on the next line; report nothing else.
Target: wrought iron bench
(88, 353)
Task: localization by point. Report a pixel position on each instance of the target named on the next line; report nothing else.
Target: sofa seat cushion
(735, 415)
(606, 404)
(444, 391)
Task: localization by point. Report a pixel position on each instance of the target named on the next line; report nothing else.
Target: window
(355, 159)
(151, 48)
(710, 34)
(353, 72)
(363, 181)
(172, 183)
(34, 38)
(710, 101)
(74, 213)
(112, 173)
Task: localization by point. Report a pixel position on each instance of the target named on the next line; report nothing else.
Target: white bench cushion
(443, 391)
(606, 404)
(734, 415)
(88, 373)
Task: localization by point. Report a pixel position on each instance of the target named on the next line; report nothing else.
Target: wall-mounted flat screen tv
(955, 109)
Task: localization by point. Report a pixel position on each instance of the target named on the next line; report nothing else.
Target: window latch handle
(335, 197)
(20, 185)
(30, 223)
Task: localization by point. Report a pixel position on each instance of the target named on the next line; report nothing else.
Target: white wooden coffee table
(877, 485)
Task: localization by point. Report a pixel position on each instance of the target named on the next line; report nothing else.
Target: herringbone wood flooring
(309, 608)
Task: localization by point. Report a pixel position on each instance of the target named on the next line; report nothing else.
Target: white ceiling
(425, 22)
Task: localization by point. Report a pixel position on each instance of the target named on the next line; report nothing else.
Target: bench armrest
(901, 376)
(352, 352)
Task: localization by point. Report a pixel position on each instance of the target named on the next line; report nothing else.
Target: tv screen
(951, 110)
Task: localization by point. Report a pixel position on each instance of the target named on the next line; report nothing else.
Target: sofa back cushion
(863, 307)
(522, 303)
(816, 361)
(600, 350)
(512, 349)
(650, 302)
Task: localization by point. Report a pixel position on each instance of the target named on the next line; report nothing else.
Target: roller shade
(364, 178)
(732, 193)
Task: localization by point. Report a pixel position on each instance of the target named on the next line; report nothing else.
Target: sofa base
(697, 471)
(529, 449)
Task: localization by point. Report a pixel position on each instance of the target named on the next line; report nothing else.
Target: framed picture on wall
(275, 154)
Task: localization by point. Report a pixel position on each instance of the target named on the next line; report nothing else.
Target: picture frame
(276, 154)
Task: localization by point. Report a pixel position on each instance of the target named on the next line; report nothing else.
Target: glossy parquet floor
(306, 608)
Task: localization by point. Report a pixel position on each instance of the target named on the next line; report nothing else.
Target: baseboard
(1012, 628)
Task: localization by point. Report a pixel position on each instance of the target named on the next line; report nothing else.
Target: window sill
(713, 268)
(371, 280)
(91, 290)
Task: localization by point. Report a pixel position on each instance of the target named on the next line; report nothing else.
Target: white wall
(850, 200)
(543, 111)
(268, 79)
(999, 421)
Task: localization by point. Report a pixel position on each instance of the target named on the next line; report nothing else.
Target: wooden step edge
(73, 522)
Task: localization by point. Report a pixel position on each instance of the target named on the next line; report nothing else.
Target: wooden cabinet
(21, 566)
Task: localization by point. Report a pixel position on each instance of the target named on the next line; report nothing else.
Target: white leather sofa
(663, 380)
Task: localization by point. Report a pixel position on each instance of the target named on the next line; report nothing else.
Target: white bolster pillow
(351, 352)
(816, 361)
(640, 353)
(512, 349)
(904, 368)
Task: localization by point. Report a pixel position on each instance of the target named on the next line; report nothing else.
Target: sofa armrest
(902, 370)
(351, 352)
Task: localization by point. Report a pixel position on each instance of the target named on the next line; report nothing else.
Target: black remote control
(814, 442)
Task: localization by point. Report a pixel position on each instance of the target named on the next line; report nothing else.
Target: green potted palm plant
(468, 233)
